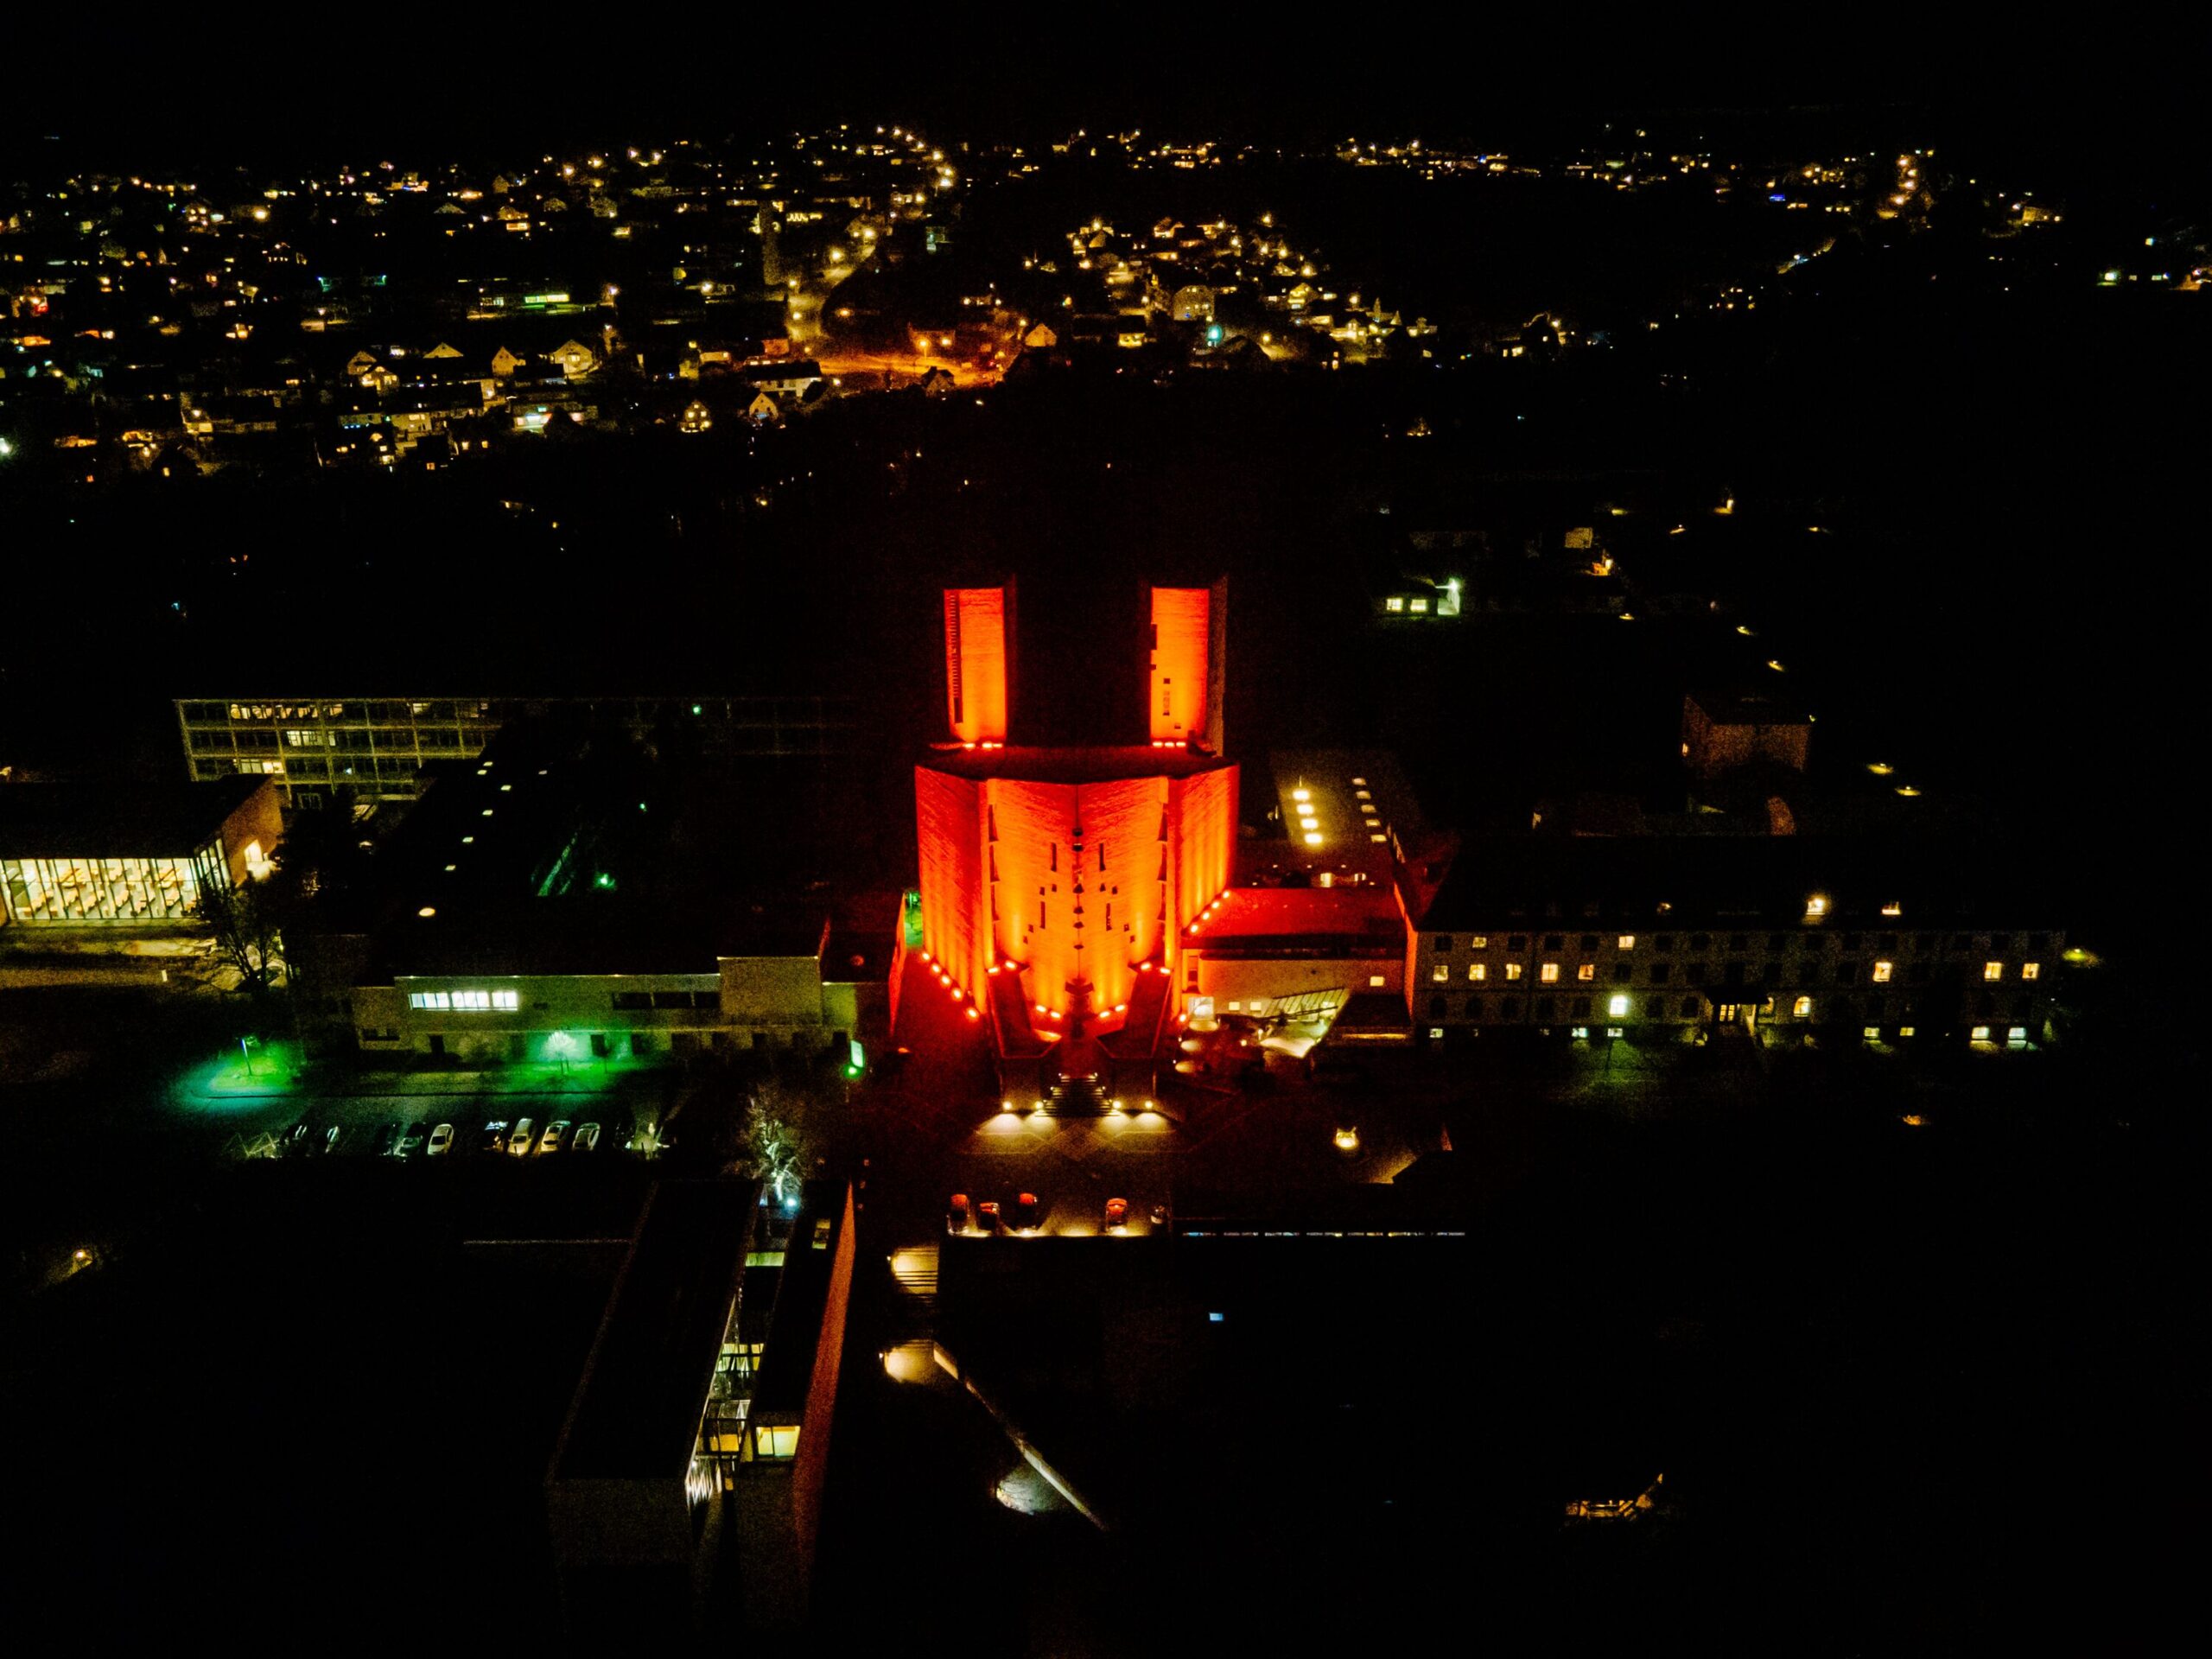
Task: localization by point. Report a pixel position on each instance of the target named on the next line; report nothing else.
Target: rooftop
(102, 820)
(636, 1411)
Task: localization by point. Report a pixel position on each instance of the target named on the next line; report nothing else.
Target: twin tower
(1058, 882)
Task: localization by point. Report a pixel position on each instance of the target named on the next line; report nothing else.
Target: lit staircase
(914, 1266)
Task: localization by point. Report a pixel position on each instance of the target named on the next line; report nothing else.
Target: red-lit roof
(1250, 913)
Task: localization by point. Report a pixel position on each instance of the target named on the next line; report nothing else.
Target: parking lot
(523, 1127)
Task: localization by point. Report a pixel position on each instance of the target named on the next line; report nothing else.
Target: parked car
(411, 1139)
(555, 1136)
(586, 1139)
(388, 1140)
(331, 1137)
(295, 1141)
(440, 1139)
(495, 1137)
(518, 1142)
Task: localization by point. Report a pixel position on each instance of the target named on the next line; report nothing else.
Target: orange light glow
(1180, 621)
(976, 663)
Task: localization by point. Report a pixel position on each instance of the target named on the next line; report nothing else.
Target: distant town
(376, 316)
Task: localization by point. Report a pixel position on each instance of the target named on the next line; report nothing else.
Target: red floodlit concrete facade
(1058, 883)
(977, 624)
(1187, 657)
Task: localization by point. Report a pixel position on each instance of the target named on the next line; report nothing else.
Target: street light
(246, 1046)
(561, 1043)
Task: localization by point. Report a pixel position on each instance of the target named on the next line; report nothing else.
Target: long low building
(565, 899)
(590, 978)
(1891, 939)
(73, 853)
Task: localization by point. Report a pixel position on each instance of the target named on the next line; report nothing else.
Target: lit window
(1981, 1033)
(1477, 972)
(1817, 904)
(1513, 971)
(1872, 1033)
(1905, 1031)
(2032, 970)
(1883, 970)
(1394, 604)
(1441, 973)
(1378, 837)
(1359, 780)
(1626, 941)
(1617, 1007)
(1586, 972)
(1892, 909)
(1803, 1007)
(1235, 1007)
(2016, 1035)
(1993, 971)
(1548, 973)
(1313, 838)
(1375, 981)
(1419, 606)
(1478, 942)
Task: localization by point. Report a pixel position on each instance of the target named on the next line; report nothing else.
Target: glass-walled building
(72, 854)
(318, 750)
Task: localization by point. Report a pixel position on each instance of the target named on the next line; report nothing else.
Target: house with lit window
(73, 854)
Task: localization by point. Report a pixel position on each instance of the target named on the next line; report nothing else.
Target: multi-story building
(318, 750)
(1911, 940)
(1058, 881)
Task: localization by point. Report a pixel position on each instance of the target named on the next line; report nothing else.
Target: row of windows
(1846, 973)
(1620, 1006)
(99, 889)
(466, 1001)
(1443, 944)
(633, 1002)
(442, 740)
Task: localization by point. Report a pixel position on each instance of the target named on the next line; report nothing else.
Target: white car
(555, 1136)
(519, 1143)
(586, 1139)
(441, 1141)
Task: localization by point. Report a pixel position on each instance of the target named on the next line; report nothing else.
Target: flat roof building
(124, 853)
(572, 898)
(691, 1463)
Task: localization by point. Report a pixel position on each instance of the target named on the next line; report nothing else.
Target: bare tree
(248, 924)
(782, 1136)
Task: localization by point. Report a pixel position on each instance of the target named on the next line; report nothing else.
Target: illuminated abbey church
(1057, 880)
